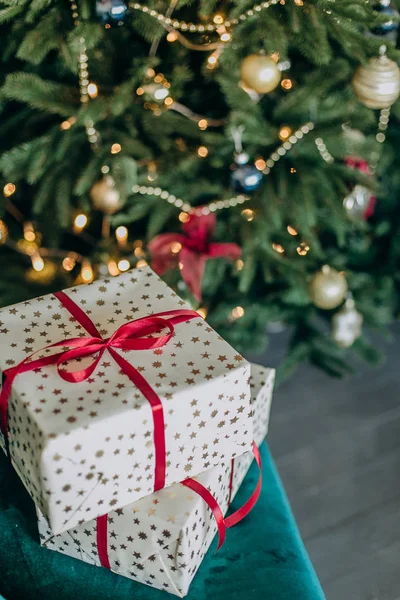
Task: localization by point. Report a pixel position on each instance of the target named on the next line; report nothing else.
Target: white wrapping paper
(84, 449)
(161, 540)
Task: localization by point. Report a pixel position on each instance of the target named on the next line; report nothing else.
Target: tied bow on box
(135, 335)
(191, 250)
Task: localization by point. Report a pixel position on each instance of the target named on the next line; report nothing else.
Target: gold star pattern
(72, 418)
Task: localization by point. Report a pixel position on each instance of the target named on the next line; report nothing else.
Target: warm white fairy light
(124, 265)
(80, 222)
(87, 274)
(121, 233)
(93, 90)
(9, 189)
(37, 262)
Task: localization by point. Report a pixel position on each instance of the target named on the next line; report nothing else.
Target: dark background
(337, 447)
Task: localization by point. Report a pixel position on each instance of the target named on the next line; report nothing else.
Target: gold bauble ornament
(346, 325)
(377, 84)
(105, 195)
(328, 288)
(3, 232)
(260, 73)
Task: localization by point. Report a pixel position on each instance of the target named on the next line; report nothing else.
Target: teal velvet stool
(262, 559)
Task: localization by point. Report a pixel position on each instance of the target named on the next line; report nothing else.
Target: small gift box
(114, 390)
(161, 540)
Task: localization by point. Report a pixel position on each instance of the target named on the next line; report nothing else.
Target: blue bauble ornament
(388, 30)
(111, 11)
(246, 179)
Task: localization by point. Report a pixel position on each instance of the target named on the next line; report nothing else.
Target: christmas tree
(243, 150)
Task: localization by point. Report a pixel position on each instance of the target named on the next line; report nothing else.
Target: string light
(87, 271)
(202, 151)
(284, 133)
(65, 125)
(239, 264)
(9, 189)
(237, 313)
(203, 124)
(248, 214)
(121, 233)
(29, 248)
(93, 90)
(29, 233)
(260, 164)
(37, 262)
(141, 263)
(113, 268)
(69, 263)
(291, 230)
(3, 232)
(176, 247)
(172, 36)
(124, 265)
(287, 84)
(278, 248)
(115, 148)
(184, 217)
(80, 222)
(212, 61)
(303, 249)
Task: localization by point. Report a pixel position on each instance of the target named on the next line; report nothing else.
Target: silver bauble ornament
(260, 73)
(357, 202)
(346, 325)
(105, 195)
(377, 84)
(328, 288)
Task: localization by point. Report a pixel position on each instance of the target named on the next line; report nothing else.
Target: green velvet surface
(263, 557)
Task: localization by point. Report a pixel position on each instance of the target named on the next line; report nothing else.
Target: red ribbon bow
(191, 249)
(135, 335)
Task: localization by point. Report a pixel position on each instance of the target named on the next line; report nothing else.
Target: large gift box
(161, 540)
(127, 391)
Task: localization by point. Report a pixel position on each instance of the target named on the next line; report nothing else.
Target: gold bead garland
(218, 21)
(217, 205)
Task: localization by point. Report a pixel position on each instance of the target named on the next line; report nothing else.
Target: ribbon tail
(102, 540)
(240, 514)
(192, 270)
(212, 504)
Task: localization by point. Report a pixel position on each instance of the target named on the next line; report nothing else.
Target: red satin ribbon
(222, 523)
(227, 522)
(135, 335)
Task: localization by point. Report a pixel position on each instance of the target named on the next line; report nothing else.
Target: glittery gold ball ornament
(328, 288)
(260, 73)
(105, 195)
(377, 84)
(3, 232)
(346, 325)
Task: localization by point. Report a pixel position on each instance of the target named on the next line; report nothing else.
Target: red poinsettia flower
(191, 250)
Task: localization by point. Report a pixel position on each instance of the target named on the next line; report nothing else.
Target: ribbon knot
(136, 335)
